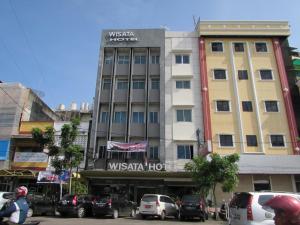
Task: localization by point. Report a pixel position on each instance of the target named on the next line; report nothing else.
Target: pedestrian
(286, 208)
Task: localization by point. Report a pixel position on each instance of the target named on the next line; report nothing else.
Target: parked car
(5, 197)
(113, 205)
(40, 204)
(158, 205)
(192, 206)
(78, 205)
(247, 208)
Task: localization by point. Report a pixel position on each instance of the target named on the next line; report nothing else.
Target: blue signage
(4, 149)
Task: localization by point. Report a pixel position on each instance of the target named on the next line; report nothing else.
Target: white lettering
(135, 166)
(122, 36)
(124, 166)
(113, 166)
(152, 166)
(141, 167)
(159, 166)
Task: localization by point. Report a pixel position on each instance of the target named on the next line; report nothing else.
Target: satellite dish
(39, 93)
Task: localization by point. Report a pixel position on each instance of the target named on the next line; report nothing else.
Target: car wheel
(115, 214)
(182, 217)
(30, 212)
(81, 212)
(163, 215)
(132, 213)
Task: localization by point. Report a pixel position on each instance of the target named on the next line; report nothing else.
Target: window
(140, 59)
(184, 115)
(271, 106)
(217, 46)
(101, 152)
(108, 59)
(106, 84)
(261, 183)
(277, 140)
(251, 140)
(247, 106)
(223, 106)
(266, 75)
(120, 117)
(219, 74)
(183, 84)
(182, 59)
(226, 140)
(122, 84)
(123, 59)
(155, 83)
(261, 47)
(153, 152)
(104, 117)
(138, 117)
(297, 182)
(155, 59)
(153, 117)
(138, 84)
(238, 47)
(185, 151)
(243, 74)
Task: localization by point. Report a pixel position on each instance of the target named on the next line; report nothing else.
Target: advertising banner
(30, 157)
(51, 177)
(114, 146)
(4, 149)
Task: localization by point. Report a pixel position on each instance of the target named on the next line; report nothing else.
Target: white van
(158, 205)
(247, 208)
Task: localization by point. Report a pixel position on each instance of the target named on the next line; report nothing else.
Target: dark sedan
(113, 206)
(76, 205)
(192, 206)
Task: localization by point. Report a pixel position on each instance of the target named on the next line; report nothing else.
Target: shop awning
(17, 173)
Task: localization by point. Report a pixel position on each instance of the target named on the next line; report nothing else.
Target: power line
(26, 39)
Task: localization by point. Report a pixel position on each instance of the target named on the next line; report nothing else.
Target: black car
(75, 205)
(40, 204)
(192, 206)
(114, 206)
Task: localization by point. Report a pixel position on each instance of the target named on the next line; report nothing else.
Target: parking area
(122, 221)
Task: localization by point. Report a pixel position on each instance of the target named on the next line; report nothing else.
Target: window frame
(283, 138)
(241, 75)
(216, 105)
(214, 42)
(156, 60)
(248, 141)
(140, 59)
(124, 58)
(138, 82)
(154, 152)
(261, 42)
(151, 116)
(122, 120)
(184, 111)
(105, 83)
(260, 76)
(153, 82)
(187, 148)
(106, 117)
(140, 115)
(108, 58)
(274, 101)
(243, 44)
(183, 84)
(182, 58)
(222, 146)
(219, 69)
(122, 81)
(246, 107)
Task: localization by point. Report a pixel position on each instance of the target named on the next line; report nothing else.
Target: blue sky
(53, 45)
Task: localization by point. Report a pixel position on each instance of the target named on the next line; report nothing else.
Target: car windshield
(102, 199)
(68, 197)
(240, 200)
(262, 199)
(9, 195)
(149, 198)
(190, 198)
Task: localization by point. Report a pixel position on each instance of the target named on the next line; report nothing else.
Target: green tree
(217, 170)
(65, 156)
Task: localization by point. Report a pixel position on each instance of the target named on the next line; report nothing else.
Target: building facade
(185, 94)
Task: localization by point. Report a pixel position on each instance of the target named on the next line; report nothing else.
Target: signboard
(4, 149)
(30, 157)
(51, 177)
(136, 166)
(114, 146)
(121, 36)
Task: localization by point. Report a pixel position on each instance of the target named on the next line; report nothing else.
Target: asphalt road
(119, 221)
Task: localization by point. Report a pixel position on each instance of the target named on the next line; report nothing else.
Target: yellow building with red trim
(247, 103)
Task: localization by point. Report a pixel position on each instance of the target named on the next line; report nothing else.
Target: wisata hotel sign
(121, 36)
